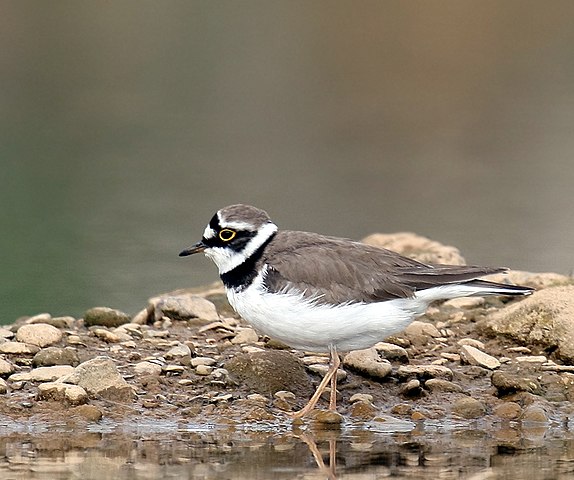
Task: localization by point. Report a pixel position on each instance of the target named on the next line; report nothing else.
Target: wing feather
(334, 270)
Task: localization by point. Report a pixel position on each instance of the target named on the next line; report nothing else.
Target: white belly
(305, 325)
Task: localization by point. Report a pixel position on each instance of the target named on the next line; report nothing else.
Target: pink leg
(330, 376)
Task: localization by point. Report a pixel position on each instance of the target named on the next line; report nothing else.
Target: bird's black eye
(227, 234)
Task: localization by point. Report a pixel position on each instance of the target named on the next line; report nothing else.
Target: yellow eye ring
(227, 235)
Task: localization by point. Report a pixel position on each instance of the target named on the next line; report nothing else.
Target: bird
(320, 293)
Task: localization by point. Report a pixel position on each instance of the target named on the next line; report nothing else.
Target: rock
(100, 377)
(367, 362)
(412, 388)
(105, 317)
(147, 368)
(3, 386)
(440, 385)
(464, 303)
(474, 356)
(544, 318)
(534, 413)
(42, 374)
(469, 408)
(508, 411)
(415, 246)
(535, 280)
(471, 342)
(6, 333)
(322, 369)
(361, 397)
(284, 400)
(111, 337)
(421, 329)
(178, 351)
(56, 356)
(39, 334)
(18, 348)
(328, 417)
(363, 410)
(269, 371)
(183, 307)
(142, 317)
(90, 413)
(203, 370)
(245, 335)
(56, 391)
(532, 359)
(203, 361)
(58, 322)
(392, 352)
(6, 368)
(506, 383)
(424, 372)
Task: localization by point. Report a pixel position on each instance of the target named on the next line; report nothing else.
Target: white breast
(306, 325)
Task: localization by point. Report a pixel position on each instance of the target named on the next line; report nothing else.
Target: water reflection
(165, 450)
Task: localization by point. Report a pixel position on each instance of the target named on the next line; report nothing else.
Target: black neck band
(243, 275)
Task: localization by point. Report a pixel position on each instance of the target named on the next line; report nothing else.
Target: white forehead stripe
(236, 225)
(209, 232)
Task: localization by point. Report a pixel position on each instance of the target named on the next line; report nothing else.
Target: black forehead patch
(214, 223)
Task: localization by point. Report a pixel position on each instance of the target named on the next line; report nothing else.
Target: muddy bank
(187, 357)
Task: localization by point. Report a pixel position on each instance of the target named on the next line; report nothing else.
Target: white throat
(227, 259)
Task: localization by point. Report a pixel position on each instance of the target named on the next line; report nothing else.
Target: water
(125, 126)
(257, 451)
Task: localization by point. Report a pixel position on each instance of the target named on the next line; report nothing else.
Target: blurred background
(125, 125)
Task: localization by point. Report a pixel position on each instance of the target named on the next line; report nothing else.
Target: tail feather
(484, 287)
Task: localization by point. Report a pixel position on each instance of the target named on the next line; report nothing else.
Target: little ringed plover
(327, 294)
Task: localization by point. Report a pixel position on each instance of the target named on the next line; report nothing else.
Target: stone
(536, 280)
(203, 361)
(416, 246)
(42, 374)
(57, 391)
(183, 307)
(469, 408)
(100, 378)
(178, 351)
(89, 413)
(39, 334)
(3, 386)
(367, 362)
(322, 369)
(421, 329)
(392, 352)
(532, 359)
(361, 397)
(6, 333)
(424, 372)
(544, 318)
(328, 417)
(474, 356)
(56, 356)
(147, 368)
(464, 302)
(534, 413)
(203, 370)
(105, 317)
(245, 335)
(412, 388)
(18, 348)
(111, 337)
(6, 368)
(269, 371)
(441, 385)
(506, 383)
(58, 322)
(363, 410)
(472, 342)
(508, 411)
